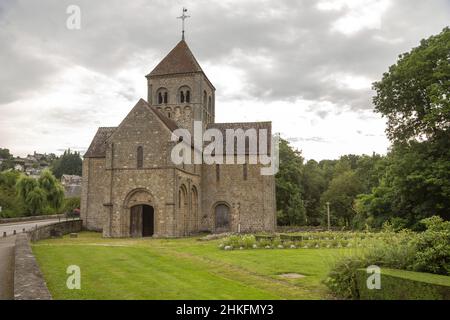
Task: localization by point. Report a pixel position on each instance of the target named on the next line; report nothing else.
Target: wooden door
(222, 218)
(136, 221)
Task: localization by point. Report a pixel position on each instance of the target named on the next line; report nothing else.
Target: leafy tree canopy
(414, 95)
(69, 163)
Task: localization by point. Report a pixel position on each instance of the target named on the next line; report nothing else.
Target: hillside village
(33, 164)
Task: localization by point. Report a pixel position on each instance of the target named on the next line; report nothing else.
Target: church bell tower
(180, 89)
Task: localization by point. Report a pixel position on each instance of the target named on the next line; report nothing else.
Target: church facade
(132, 188)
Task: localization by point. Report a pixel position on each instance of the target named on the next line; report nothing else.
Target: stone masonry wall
(95, 186)
(29, 283)
(156, 177)
(183, 113)
(60, 228)
(251, 201)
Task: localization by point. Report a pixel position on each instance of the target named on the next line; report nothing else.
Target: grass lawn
(180, 269)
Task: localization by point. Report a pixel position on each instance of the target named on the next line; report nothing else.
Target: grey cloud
(294, 36)
(309, 139)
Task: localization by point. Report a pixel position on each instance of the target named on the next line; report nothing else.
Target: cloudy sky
(305, 65)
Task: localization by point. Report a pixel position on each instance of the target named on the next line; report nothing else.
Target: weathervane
(183, 17)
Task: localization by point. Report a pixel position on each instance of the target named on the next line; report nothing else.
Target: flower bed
(306, 240)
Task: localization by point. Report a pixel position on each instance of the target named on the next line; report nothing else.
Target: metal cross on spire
(183, 17)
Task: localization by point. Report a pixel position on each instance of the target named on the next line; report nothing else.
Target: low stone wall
(287, 229)
(28, 281)
(55, 229)
(32, 218)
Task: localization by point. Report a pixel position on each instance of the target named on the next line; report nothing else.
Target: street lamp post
(328, 215)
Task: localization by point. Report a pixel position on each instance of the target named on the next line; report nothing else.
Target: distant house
(19, 164)
(33, 164)
(72, 185)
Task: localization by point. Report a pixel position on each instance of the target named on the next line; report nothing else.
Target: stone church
(131, 187)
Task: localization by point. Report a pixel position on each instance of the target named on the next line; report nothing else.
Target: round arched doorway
(221, 218)
(142, 221)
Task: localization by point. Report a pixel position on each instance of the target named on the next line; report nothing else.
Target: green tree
(295, 213)
(71, 203)
(53, 190)
(30, 194)
(414, 94)
(288, 184)
(69, 163)
(24, 186)
(35, 200)
(341, 193)
(41, 196)
(7, 157)
(414, 185)
(314, 184)
(11, 205)
(369, 170)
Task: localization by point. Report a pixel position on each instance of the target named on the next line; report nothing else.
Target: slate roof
(172, 125)
(244, 126)
(97, 149)
(179, 60)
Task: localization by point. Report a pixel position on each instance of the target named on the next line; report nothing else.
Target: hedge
(404, 285)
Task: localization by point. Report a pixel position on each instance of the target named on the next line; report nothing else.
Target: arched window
(210, 105)
(181, 96)
(194, 209)
(183, 201)
(204, 99)
(140, 157)
(162, 95)
(184, 94)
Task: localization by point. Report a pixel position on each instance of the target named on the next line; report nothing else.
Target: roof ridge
(248, 122)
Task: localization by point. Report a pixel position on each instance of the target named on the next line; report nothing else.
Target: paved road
(7, 268)
(7, 253)
(27, 225)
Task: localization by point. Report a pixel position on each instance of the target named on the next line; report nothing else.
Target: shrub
(433, 247)
(404, 285)
(71, 203)
(396, 250)
(231, 241)
(428, 251)
(265, 242)
(276, 242)
(342, 278)
(248, 241)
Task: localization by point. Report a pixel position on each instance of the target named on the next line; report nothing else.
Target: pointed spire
(179, 60)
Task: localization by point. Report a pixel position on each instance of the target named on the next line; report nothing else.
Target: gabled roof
(172, 125)
(179, 60)
(97, 149)
(222, 127)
